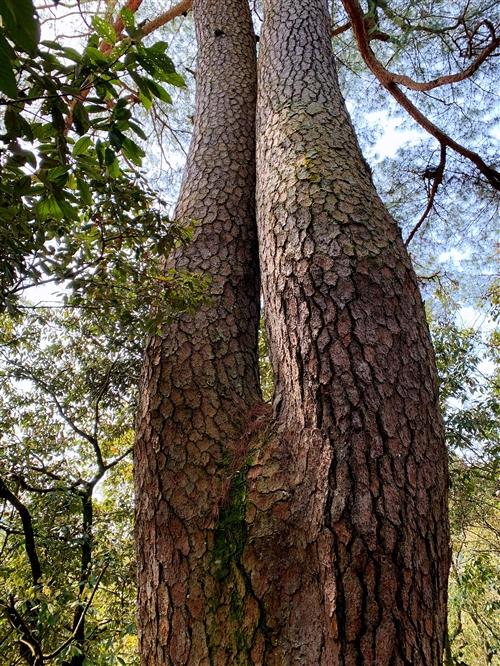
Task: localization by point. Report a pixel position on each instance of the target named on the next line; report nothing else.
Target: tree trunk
(317, 535)
(348, 548)
(200, 379)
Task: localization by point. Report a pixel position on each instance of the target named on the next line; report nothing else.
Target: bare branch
(340, 29)
(358, 24)
(182, 8)
(437, 180)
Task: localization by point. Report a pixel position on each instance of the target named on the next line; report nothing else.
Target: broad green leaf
(72, 54)
(175, 79)
(82, 145)
(96, 56)
(8, 83)
(104, 29)
(132, 151)
(116, 138)
(20, 23)
(127, 17)
(113, 169)
(154, 61)
(80, 118)
(58, 176)
(158, 91)
(138, 130)
(84, 191)
(48, 208)
(11, 121)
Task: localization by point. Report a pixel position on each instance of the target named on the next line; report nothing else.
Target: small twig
(437, 180)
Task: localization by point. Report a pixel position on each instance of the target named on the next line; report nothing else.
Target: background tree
(469, 396)
(66, 411)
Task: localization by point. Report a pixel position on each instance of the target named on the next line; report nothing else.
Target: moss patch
(231, 531)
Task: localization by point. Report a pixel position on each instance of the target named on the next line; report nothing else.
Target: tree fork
(316, 535)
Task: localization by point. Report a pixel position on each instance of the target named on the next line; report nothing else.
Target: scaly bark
(200, 378)
(323, 538)
(347, 499)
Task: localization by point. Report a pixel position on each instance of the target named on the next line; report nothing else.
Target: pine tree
(315, 533)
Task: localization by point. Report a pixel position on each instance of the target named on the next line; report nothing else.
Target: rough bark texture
(347, 499)
(316, 535)
(200, 378)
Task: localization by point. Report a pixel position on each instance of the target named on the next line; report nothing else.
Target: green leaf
(8, 83)
(158, 91)
(175, 79)
(58, 176)
(132, 151)
(138, 130)
(109, 156)
(154, 61)
(127, 17)
(104, 29)
(146, 100)
(84, 191)
(113, 169)
(158, 47)
(20, 23)
(48, 208)
(80, 118)
(68, 211)
(116, 138)
(82, 145)
(96, 56)
(11, 120)
(23, 186)
(72, 54)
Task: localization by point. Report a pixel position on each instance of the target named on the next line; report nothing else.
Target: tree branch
(437, 180)
(30, 647)
(69, 640)
(121, 457)
(340, 29)
(180, 9)
(358, 23)
(29, 533)
(491, 174)
(389, 82)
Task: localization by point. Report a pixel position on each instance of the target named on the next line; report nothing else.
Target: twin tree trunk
(314, 532)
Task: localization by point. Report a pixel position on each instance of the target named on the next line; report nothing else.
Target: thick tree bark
(316, 535)
(200, 379)
(348, 547)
